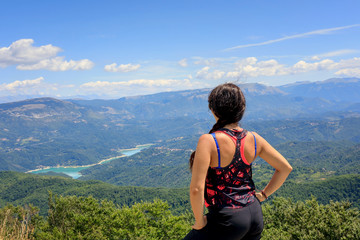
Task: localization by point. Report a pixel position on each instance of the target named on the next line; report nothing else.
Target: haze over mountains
(49, 132)
(264, 102)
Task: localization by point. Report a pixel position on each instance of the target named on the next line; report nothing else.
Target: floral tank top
(231, 186)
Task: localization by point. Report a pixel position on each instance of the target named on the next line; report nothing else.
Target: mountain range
(299, 100)
(49, 132)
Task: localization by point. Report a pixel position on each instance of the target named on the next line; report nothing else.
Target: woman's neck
(232, 126)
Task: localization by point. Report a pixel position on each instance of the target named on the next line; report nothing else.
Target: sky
(111, 49)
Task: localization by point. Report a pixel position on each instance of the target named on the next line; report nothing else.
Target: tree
(74, 217)
(307, 220)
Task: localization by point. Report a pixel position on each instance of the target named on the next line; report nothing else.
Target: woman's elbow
(288, 169)
(195, 190)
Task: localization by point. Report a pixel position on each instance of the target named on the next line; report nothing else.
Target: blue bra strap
(218, 149)
(255, 145)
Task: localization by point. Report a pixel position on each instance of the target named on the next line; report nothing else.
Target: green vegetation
(18, 222)
(282, 131)
(21, 188)
(153, 167)
(340, 157)
(285, 219)
(63, 133)
(74, 217)
(166, 164)
(335, 188)
(65, 143)
(324, 153)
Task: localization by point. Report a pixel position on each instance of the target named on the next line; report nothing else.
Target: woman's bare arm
(277, 161)
(199, 172)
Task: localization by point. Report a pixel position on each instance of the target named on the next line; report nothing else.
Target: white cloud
(58, 64)
(137, 87)
(348, 67)
(348, 63)
(349, 72)
(204, 73)
(22, 52)
(213, 62)
(36, 87)
(28, 57)
(138, 82)
(121, 68)
(246, 61)
(183, 62)
(251, 67)
(18, 85)
(333, 54)
(327, 65)
(315, 58)
(301, 35)
(302, 66)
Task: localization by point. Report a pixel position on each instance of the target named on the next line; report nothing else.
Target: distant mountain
(49, 132)
(334, 89)
(16, 98)
(42, 108)
(256, 89)
(263, 102)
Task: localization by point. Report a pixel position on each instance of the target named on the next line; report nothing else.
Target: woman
(221, 173)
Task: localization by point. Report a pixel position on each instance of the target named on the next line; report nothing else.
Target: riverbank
(74, 171)
(79, 166)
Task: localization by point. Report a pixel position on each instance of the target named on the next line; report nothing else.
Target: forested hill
(316, 149)
(319, 135)
(50, 132)
(23, 189)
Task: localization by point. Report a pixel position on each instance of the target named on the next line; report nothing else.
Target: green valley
(320, 137)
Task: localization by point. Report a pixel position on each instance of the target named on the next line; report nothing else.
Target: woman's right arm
(198, 177)
(277, 161)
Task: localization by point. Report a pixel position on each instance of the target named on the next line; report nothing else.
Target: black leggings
(231, 224)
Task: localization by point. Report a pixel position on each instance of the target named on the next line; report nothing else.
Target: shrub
(74, 217)
(307, 220)
(18, 222)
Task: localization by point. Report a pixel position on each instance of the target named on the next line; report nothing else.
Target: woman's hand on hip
(260, 196)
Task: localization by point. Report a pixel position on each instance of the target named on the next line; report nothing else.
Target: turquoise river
(74, 172)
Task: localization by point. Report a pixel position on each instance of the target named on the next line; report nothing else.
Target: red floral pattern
(231, 186)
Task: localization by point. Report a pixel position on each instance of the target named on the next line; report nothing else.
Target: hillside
(334, 89)
(264, 102)
(154, 167)
(161, 167)
(22, 188)
(49, 132)
(315, 149)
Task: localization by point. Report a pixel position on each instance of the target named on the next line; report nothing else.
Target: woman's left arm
(199, 172)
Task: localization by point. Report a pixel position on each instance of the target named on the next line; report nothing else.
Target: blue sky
(110, 49)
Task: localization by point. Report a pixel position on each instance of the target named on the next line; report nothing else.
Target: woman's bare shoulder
(205, 139)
